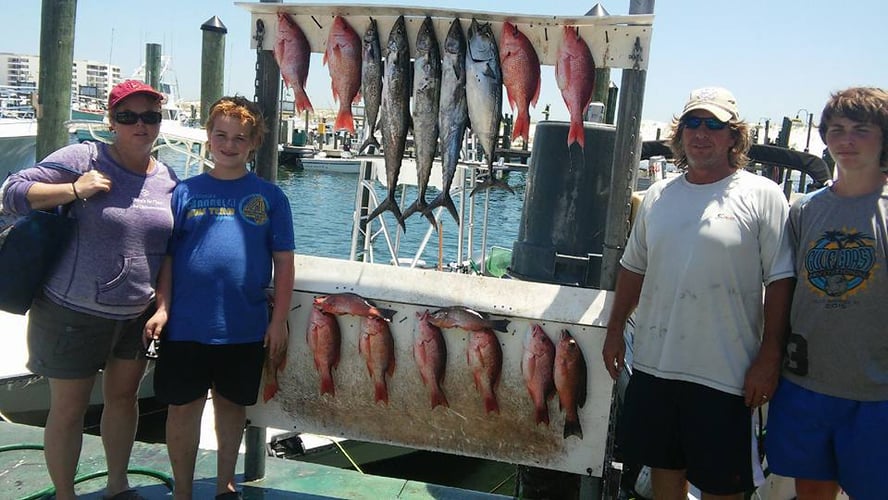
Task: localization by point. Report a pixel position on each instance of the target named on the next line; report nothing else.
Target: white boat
(18, 143)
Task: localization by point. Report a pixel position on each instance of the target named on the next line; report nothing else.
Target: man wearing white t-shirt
(704, 249)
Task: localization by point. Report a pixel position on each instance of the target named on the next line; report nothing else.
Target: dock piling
(212, 64)
(56, 66)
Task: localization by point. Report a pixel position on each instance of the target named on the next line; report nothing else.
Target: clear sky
(777, 56)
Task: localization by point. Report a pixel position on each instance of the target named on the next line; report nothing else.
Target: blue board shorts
(816, 436)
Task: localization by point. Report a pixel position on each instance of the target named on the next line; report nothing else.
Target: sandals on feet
(130, 494)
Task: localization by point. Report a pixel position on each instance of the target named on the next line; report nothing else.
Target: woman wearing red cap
(93, 307)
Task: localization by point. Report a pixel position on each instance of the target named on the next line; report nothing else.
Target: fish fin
(522, 125)
(541, 415)
(370, 141)
(536, 94)
(269, 391)
(387, 314)
(438, 398)
(345, 120)
(501, 325)
(490, 403)
(391, 205)
(487, 183)
(576, 134)
(381, 392)
(327, 386)
(303, 103)
(419, 205)
(444, 200)
(572, 428)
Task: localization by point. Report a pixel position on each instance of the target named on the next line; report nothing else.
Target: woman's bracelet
(76, 196)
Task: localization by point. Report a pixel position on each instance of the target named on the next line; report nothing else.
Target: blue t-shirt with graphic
(223, 237)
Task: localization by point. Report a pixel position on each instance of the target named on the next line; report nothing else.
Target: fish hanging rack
(613, 40)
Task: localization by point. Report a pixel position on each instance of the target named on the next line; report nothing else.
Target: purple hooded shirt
(110, 267)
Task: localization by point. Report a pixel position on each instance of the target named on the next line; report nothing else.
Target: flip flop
(130, 494)
(231, 495)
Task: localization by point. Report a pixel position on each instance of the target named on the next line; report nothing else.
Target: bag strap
(66, 208)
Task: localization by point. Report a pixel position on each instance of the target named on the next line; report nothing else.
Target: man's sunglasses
(131, 117)
(694, 122)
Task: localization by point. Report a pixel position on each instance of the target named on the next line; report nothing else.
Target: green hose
(47, 492)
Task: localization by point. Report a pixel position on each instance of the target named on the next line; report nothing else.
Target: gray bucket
(561, 235)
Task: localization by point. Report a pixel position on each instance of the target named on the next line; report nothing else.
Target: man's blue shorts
(815, 436)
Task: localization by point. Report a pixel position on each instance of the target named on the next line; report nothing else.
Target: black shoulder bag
(30, 248)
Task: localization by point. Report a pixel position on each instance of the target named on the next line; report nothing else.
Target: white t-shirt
(705, 251)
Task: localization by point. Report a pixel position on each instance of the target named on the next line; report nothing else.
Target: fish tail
(522, 126)
(444, 200)
(303, 103)
(370, 141)
(491, 182)
(572, 428)
(386, 314)
(541, 415)
(327, 386)
(419, 205)
(501, 325)
(490, 403)
(438, 398)
(345, 120)
(381, 392)
(269, 391)
(576, 134)
(483, 185)
(391, 205)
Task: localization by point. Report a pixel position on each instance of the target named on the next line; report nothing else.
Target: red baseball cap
(127, 88)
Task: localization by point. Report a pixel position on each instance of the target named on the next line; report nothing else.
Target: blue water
(323, 204)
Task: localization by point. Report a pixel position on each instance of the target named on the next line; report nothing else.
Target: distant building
(89, 78)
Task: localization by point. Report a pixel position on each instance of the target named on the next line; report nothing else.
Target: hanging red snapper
(537, 367)
(430, 354)
(575, 74)
(292, 53)
(377, 347)
(485, 358)
(351, 303)
(521, 76)
(324, 341)
(343, 58)
(570, 382)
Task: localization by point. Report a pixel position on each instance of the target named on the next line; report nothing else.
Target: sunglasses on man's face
(131, 117)
(694, 122)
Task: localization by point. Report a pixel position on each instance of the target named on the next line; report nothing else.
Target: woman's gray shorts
(68, 344)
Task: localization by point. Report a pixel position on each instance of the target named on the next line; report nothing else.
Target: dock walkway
(23, 473)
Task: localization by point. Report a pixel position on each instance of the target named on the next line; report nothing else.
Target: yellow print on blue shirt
(217, 207)
(254, 209)
(841, 262)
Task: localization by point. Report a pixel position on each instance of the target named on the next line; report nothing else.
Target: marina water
(323, 204)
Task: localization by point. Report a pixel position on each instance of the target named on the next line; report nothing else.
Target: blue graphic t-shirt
(224, 234)
(839, 342)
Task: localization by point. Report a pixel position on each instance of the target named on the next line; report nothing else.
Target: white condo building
(88, 78)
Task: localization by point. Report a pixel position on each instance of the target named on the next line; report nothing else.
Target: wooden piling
(56, 65)
(152, 65)
(212, 64)
(268, 91)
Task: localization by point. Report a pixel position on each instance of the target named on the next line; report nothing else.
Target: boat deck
(23, 474)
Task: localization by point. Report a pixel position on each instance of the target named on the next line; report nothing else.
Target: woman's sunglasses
(131, 117)
(694, 122)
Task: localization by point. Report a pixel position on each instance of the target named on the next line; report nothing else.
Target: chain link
(259, 37)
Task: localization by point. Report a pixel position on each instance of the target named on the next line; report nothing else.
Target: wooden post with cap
(56, 65)
(212, 64)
